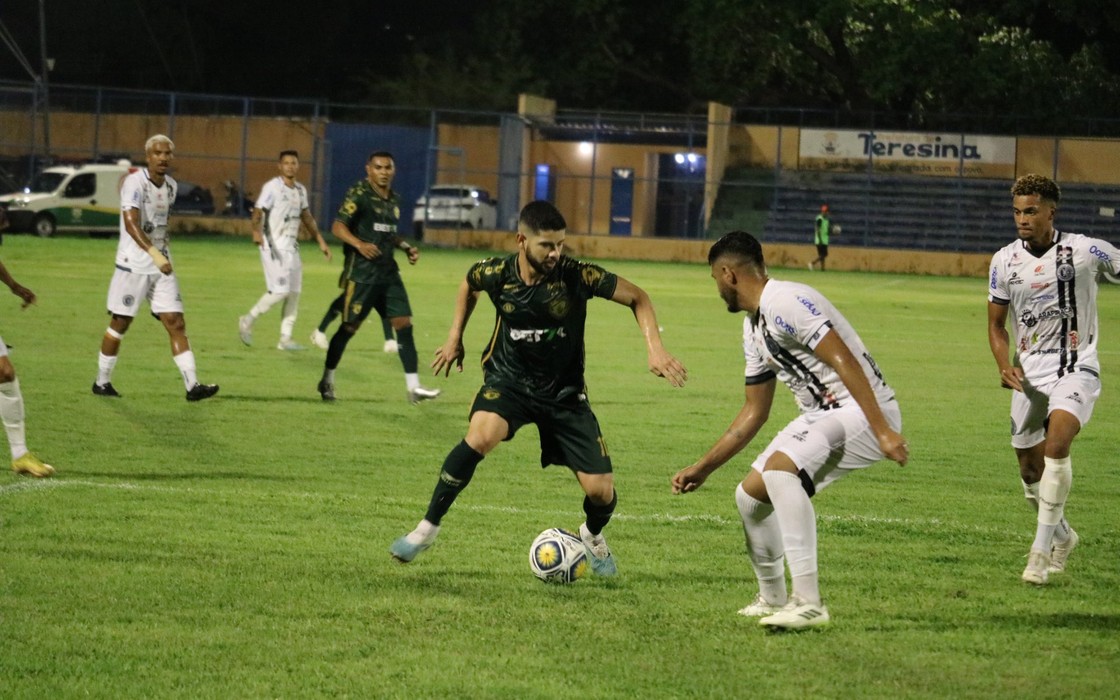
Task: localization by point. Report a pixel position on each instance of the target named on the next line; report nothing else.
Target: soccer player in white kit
(144, 271)
(1047, 282)
(277, 214)
(11, 398)
(849, 420)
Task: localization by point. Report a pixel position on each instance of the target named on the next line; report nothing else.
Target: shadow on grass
(1074, 621)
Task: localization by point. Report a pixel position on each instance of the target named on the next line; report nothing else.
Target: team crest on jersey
(1065, 272)
(591, 276)
(508, 307)
(491, 394)
(558, 307)
(349, 207)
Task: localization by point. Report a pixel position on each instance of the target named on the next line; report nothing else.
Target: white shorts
(1074, 393)
(827, 445)
(283, 270)
(127, 289)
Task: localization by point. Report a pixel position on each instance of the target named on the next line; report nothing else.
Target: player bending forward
(849, 420)
(533, 373)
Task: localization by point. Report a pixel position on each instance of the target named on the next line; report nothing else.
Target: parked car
(464, 206)
(192, 199)
(69, 198)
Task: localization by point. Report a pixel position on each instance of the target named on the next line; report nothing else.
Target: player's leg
(486, 430)
(290, 311)
(276, 286)
(11, 414)
(391, 344)
(107, 357)
(126, 291)
(394, 306)
(797, 520)
(764, 546)
(355, 308)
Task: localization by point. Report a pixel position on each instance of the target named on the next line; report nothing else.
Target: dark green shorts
(569, 431)
(389, 299)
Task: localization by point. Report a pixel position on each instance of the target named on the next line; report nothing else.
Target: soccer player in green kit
(367, 221)
(533, 372)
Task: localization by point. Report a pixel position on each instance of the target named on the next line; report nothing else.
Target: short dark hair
(381, 154)
(542, 216)
(290, 152)
(1041, 185)
(740, 245)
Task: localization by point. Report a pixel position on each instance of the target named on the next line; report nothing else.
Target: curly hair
(1040, 185)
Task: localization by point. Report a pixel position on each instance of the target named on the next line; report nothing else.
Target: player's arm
(410, 250)
(366, 249)
(132, 225)
(18, 289)
(308, 220)
(833, 351)
(452, 352)
(1010, 377)
(256, 219)
(758, 399)
(661, 362)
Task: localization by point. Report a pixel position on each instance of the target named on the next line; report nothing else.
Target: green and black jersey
(537, 344)
(373, 219)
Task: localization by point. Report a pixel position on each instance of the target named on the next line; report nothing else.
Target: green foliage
(238, 547)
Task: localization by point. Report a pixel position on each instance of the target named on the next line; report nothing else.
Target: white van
(69, 198)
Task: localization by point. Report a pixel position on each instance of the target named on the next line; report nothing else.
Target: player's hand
(160, 260)
(688, 479)
(326, 252)
(895, 447)
(1011, 378)
(665, 365)
(24, 293)
(369, 251)
(258, 238)
(450, 353)
(413, 255)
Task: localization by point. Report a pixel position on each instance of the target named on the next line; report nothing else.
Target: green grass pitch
(238, 547)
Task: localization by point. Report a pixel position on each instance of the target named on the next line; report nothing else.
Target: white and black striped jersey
(779, 341)
(154, 204)
(281, 206)
(1053, 302)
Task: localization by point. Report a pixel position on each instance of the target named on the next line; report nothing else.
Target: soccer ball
(836, 229)
(558, 556)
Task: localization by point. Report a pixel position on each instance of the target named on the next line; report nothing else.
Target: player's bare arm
(661, 362)
(833, 351)
(758, 398)
(1010, 377)
(342, 232)
(132, 225)
(18, 289)
(309, 221)
(452, 352)
(255, 223)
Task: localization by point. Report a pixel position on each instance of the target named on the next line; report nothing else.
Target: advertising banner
(907, 152)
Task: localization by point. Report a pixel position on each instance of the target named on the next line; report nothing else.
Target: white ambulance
(69, 198)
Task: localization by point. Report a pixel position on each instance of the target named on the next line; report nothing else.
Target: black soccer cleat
(198, 392)
(105, 389)
(326, 390)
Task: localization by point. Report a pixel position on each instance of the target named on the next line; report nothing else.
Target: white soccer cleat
(598, 553)
(245, 329)
(760, 608)
(1038, 568)
(391, 346)
(289, 344)
(1059, 553)
(319, 339)
(419, 394)
(797, 614)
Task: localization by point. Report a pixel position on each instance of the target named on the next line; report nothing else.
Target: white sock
(412, 380)
(185, 362)
(798, 522)
(1053, 489)
(328, 376)
(11, 413)
(764, 546)
(424, 533)
(105, 365)
(266, 302)
(288, 321)
(1061, 533)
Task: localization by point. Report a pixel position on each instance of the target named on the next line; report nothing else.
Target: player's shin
(764, 546)
(1053, 489)
(457, 471)
(11, 413)
(406, 348)
(599, 514)
(797, 521)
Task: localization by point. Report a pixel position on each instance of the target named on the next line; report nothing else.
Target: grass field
(238, 547)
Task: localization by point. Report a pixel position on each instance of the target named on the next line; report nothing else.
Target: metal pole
(44, 70)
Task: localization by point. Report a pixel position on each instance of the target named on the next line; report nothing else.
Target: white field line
(30, 486)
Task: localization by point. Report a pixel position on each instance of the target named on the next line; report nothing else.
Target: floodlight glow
(586, 148)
